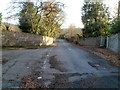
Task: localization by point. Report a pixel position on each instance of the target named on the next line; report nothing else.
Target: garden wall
(94, 41)
(24, 39)
(113, 43)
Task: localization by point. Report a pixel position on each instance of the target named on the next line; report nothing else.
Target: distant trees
(115, 25)
(0, 18)
(118, 8)
(72, 32)
(53, 17)
(95, 17)
(31, 17)
(96, 20)
(25, 19)
(43, 18)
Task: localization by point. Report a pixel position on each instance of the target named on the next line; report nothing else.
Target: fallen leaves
(103, 53)
(29, 83)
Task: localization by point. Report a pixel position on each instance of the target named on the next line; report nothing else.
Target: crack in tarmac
(10, 66)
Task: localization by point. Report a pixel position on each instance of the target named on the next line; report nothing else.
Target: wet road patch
(66, 80)
(11, 84)
(4, 60)
(56, 64)
(60, 81)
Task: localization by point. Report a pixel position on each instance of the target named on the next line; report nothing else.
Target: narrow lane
(83, 69)
(60, 66)
(78, 60)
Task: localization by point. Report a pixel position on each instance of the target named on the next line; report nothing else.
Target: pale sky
(72, 11)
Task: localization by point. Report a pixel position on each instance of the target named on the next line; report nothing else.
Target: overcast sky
(72, 11)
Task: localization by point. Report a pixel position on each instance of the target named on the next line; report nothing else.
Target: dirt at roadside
(29, 82)
(103, 53)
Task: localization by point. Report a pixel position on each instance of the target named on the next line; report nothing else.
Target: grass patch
(23, 47)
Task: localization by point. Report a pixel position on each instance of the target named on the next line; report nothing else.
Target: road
(60, 66)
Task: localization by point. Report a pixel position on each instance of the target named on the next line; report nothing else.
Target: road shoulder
(102, 52)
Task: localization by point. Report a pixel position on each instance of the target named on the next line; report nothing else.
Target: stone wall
(113, 43)
(94, 41)
(24, 39)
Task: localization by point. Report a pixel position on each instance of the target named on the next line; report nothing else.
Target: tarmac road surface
(60, 66)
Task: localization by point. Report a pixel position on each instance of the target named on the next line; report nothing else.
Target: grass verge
(23, 47)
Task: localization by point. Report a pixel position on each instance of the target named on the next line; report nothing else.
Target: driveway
(60, 66)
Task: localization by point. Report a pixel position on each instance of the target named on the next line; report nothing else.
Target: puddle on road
(93, 64)
(97, 66)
